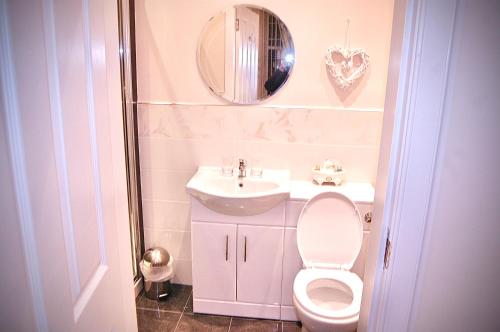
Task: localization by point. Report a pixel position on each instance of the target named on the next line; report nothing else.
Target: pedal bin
(157, 269)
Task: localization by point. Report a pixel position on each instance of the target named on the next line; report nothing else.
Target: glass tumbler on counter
(227, 165)
(256, 168)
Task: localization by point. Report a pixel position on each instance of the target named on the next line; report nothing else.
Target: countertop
(359, 192)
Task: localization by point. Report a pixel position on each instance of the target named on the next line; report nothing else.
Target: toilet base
(303, 329)
(316, 324)
(333, 329)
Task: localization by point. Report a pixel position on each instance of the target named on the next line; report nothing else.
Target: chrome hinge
(388, 249)
(237, 24)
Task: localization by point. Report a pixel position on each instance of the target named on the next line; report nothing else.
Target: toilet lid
(329, 232)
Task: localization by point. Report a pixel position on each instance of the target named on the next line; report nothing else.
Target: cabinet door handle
(245, 251)
(227, 241)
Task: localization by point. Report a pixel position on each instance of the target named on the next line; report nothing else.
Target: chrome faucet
(242, 169)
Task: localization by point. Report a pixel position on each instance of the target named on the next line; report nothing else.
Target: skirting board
(238, 309)
(288, 313)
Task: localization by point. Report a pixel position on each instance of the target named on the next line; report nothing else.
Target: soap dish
(328, 176)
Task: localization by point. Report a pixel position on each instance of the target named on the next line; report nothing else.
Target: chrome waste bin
(157, 270)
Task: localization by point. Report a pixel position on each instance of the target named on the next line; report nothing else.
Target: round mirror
(245, 54)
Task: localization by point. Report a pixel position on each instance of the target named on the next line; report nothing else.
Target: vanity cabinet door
(260, 256)
(214, 261)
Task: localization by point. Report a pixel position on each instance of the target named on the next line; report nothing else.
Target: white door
(247, 49)
(442, 273)
(260, 259)
(214, 261)
(61, 106)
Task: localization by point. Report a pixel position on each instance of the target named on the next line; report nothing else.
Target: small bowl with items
(330, 172)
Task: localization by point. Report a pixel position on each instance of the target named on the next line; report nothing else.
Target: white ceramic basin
(239, 197)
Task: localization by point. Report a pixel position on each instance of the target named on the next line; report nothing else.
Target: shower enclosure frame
(126, 30)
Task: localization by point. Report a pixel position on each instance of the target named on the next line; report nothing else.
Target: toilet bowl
(326, 295)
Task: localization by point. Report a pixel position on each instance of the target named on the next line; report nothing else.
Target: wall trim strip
(304, 107)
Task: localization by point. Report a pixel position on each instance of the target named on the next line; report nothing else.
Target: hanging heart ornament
(346, 65)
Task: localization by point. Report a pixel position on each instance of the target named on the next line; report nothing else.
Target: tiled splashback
(184, 137)
(175, 140)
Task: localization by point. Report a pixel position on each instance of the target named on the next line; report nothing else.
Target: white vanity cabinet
(246, 265)
(237, 262)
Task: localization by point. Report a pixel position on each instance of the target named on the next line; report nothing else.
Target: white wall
(458, 279)
(168, 33)
(305, 122)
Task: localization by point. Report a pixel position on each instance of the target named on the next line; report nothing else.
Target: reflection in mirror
(245, 54)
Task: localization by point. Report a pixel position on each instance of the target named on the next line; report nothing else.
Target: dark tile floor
(176, 314)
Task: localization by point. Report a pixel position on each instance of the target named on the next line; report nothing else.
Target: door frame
(119, 159)
(413, 114)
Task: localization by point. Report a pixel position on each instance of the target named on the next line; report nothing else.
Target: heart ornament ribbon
(346, 65)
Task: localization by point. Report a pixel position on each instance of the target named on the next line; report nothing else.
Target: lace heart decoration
(346, 65)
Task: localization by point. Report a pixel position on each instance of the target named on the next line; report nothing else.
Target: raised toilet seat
(326, 295)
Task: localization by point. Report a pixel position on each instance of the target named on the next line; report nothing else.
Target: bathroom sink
(239, 197)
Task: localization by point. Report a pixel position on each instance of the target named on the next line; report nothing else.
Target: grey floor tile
(254, 325)
(176, 301)
(154, 321)
(292, 326)
(189, 305)
(203, 323)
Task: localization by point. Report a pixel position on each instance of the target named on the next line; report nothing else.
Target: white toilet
(326, 295)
